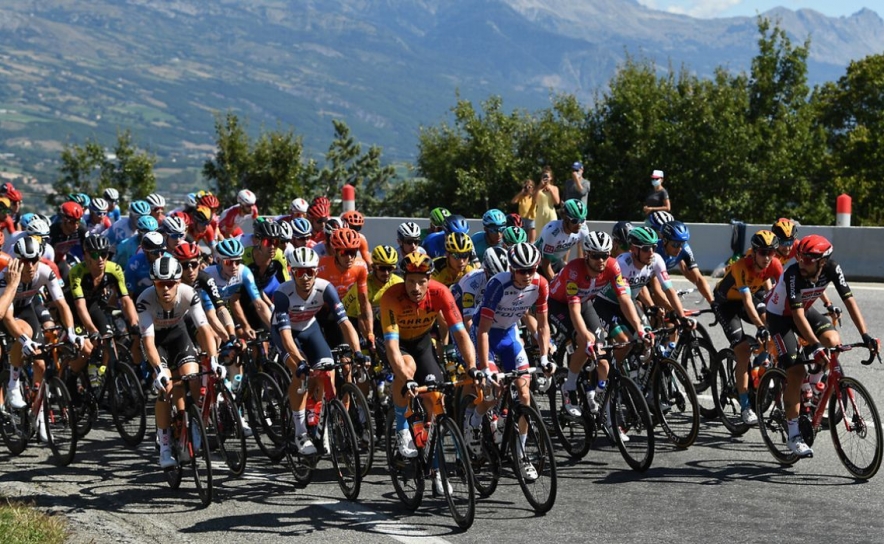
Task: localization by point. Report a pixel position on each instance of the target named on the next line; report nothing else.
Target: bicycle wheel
(769, 407)
(632, 416)
(82, 400)
(485, 464)
(457, 476)
(344, 449)
(676, 403)
(227, 430)
(200, 460)
(60, 421)
(266, 406)
(574, 433)
(725, 394)
(128, 404)
(697, 358)
(15, 424)
(278, 372)
(360, 414)
(301, 466)
(857, 435)
(407, 474)
(534, 461)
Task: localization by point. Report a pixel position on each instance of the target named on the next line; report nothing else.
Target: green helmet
(575, 210)
(514, 235)
(642, 236)
(438, 216)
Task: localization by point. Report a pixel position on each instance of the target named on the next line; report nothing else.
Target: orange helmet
(354, 219)
(416, 263)
(321, 207)
(210, 201)
(345, 238)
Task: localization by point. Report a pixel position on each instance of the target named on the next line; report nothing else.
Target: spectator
(546, 198)
(658, 200)
(525, 201)
(578, 187)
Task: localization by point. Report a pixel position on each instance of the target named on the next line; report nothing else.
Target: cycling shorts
(785, 334)
(175, 347)
(310, 341)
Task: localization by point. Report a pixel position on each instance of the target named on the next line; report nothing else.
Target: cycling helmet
(815, 246)
(203, 215)
(676, 231)
(523, 255)
(80, 198)
(514, 235)
(266, 230)
(597, 242)
(303, 257)
(111, 194)
(173, 224)
(785, 229)
(456, 223)
(246, 198)
(190, 200)
(27, 218)
(575, 210)
(764, 239)
(416, 263)
(299, 205)
(153, 241)
(27, 247)
(407, 230)
(321, 207)
(139, 207)
(345, 238)
(385, 255)
(657, 219)
(10, 192)
(494, 261)
(301, 228)
(438, 216)
(146, 224)
(209, 201)
(166, 268)
(230, 248)
(458, 242)
(38, 226)
(72, 210)
(642, 236)
(333, 224)
(155, 200)
(285, 231)
(620, 232)
(187, 251)
(354, 219)
(513, 220)
(494, 218)
(96, 242)
(98, 205)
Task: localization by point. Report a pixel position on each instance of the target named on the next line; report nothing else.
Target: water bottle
(237, 383)
(667, 350)
(451, 368)
(94, 376)
(311, 412)
(420, 433)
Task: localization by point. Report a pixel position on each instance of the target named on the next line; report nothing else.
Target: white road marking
(379, 523)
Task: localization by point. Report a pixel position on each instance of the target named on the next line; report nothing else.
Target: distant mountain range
(77, 68)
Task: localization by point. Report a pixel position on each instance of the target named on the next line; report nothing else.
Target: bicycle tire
(200, 459)
(228, 431)
(632, 415)
(60, 420)
(128, 404)
(458, 482)
(301, 466)
(363, 424)
(173, 475)
(858, 411)
(86, 407)
(673, 389)
(772, 415)
(486, 464)
(15, 424)
(574, 434)
(697, 359)
(266, 406)
(407, 474)
(538, 450)
(344, 449)
(725, 394)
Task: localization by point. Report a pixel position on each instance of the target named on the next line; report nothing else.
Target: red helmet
(321, 207)
(72, 210)
(815, 245)
(354, 219)
(186, 251)
(342, 239)
(209, 200)
(513, 220)
(10, 192)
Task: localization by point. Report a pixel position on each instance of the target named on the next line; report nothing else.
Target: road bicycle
(222, 420)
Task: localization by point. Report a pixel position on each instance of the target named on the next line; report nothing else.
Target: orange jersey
(402, 318)
(343, 280)
(744, 276)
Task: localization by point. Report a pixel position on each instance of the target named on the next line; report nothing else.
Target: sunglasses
(304, 272)
(765, 252)
(412, 241)
(35, 260)
(459, 256)
(269, 243)
(231, 262)
(357, 228)
(165, 284)
(69, 219)
(808, 258)
(787, 243)
(191, 265)
(155, 252)
(99, 254)
(175, 235)
(100, 214)
(350, 252)
(525, 271)
(494, 230)
(598, 256)
(646, 249)
(384, 268)
(678, 245)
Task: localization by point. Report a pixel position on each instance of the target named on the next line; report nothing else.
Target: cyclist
(67, 235)
(384, 260)
(231, 220)
(97, 221)
(456, 262)
(408, 236)
(137, 270)
(513, 236)
(15, 200)
(790, 313)
(174, 230)
(735, 303)
(355, 221)
(343, 271)
(125, 226)
(200, 227)
(434, 243)
(297, 334)
(657, 219)
(157, 206)
(129, 247)
(328, 228)
(468, 292)
(559, 236)
(168, 347)
(298, 208)
(508, 297)
(112, 196)
(675, 250)
(493, 225)
(318, 213)
(438, 216)
(620, 235)
(265, 259)
(188, 254)
(786, 232)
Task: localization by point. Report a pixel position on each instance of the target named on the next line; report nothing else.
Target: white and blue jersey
(434, 243)
(297, 314)
(638, 276)
(120, 230)
(114, 213)
(468, 292)
(686, 255)
(242, 281)
(137, 274)
(127, 249)
(554, 243)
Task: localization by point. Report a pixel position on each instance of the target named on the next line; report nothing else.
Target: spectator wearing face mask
(658, 199)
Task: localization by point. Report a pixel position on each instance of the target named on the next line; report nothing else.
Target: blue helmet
(676, 231)
(456, 223)
(146, 223)
(139, 207)
(230, 248)
(494, 218)
(301, 227)
(27, 218)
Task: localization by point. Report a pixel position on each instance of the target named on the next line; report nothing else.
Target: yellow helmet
(765, 239)
(416, 263)
(785, 229)
(458, 242)
(385, 255)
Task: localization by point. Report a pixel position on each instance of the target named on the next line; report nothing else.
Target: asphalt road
(720, 489)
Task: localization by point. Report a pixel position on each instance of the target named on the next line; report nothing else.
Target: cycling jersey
(434, 243)
(744, 276)
(447, 275)
(405, 320)
(104, 223)
(67, 243)
(291, 311)
(154, 319)
(505, 303)
(686, 255)
(320, 249)
(137, 274)
(127, 249)
(83, 284)
(231, 220)
(242, 281)
(114, 214)
(574, 285)
(276, 274)
(555, 243)
(481, 244)
(375, 292)
(120, 230)
(343, 279)
(468, 292)
(207, 235)
(638, 276)
(793, 291)
(26, 293)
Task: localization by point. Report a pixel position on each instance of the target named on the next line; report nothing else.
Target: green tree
(278, 175)
(230, 166)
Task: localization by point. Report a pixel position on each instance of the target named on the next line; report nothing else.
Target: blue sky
(735, 8)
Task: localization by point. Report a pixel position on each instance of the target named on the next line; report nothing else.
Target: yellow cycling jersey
(375, 292)
(278, 257)
(446, 275)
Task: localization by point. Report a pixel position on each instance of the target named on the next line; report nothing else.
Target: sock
(571, 382)
(13, 377)
(299, 418)
(792, 424)
(401, 422)
(476, 419)
(164, 436)
(744, 401)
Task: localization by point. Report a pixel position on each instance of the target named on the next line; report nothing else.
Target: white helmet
(494, 261)
(524, 255)
(190, 200)
(409, 229)
(111, 194)
(303, 257)
(299, 205)
(27, 247)
(332, 224)
(155, 200)
(38, 226)
(597, 242)
(166, 268)
(246, 198)
(172, 224)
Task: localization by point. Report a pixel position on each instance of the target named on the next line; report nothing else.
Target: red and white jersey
(574, 285)
(231, 220)
(505, 304)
